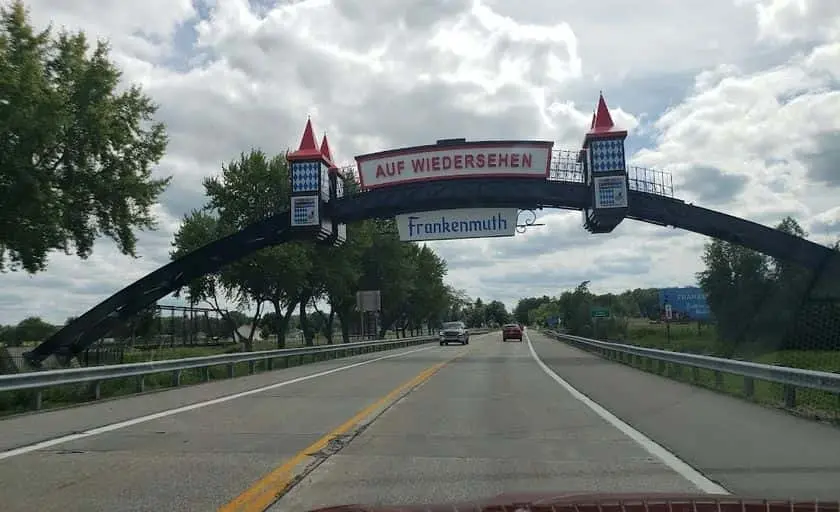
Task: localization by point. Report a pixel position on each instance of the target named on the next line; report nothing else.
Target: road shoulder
(748, 448)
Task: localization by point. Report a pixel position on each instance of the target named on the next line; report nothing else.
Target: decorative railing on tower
(566, 167)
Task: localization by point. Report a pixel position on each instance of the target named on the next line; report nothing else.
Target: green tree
(197, 229)
(762, 303)
(496, 314)
(248, 190)
(76, 154)
(458, 301)
(429, 298)
(33, 328)
(387, 266)
(575, 307)
(521, 313)
(474, 315)
(546, 310)
(736, 282)
(7, 335)
(340, 270)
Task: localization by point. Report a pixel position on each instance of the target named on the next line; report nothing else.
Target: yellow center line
(265, 491)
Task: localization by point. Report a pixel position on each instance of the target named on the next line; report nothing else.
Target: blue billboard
(686, 303)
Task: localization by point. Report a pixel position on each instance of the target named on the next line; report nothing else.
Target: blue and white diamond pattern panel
(611, 192)
(305, 211)
(607, 155)
(306, 176)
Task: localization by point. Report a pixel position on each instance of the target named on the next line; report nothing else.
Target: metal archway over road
(453, 175)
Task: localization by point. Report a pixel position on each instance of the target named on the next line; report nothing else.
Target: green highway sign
(597, 312)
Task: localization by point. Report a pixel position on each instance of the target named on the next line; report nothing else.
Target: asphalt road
(425, 424)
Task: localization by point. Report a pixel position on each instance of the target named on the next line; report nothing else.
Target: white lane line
(649, 445)
(198, 405)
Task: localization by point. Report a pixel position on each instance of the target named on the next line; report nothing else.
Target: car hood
(604, 502)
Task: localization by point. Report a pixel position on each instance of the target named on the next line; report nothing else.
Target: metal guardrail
(41, 380)
(789, 378)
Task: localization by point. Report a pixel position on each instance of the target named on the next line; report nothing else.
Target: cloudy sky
(738, 99)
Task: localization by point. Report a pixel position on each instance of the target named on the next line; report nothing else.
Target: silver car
(454, 332)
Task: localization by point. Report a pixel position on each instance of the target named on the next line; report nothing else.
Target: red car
(511, 332)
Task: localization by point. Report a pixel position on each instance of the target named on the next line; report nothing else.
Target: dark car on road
(512, 332)
(454, 332)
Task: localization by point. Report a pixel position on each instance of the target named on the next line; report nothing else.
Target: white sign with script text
(458, 224)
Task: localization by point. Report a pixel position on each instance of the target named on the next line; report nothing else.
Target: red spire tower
(308, 146)
(327, 153)
(605, 171)
(311, 190)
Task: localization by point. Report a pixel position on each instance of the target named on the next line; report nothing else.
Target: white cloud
(786, 20)
(739, 100)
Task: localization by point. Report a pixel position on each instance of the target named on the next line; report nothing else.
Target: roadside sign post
(368, 303)
(596, 313)
(669, 313)
(599, 312)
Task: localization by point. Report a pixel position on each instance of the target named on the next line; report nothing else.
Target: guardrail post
(660, 367)
(141, 383)
(749, 387)
(231, 370)
(38, 399)
(176, 378)
(695, 374)
(789, 396)
(252, 367)
(97, 390)
(718, 379)
(269, 364)
(205, 373)
(678, 370)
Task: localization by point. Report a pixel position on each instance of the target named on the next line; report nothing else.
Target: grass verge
(810, 403)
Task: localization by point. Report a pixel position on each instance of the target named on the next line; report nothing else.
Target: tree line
(574, 308)
(153, 325)
(765, 302)
(757, 303)
(314, 281)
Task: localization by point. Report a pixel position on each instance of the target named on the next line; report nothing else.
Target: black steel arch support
(428, 196)
(824, 261)
(99, 320)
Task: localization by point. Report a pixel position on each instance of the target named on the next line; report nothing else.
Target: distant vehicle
(512, 332)
(454, 332)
